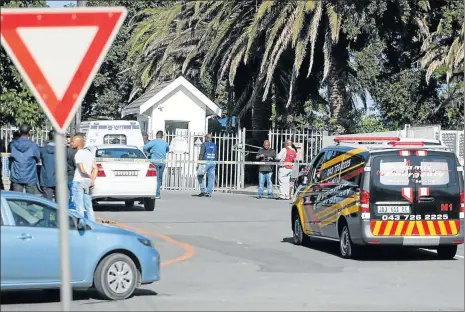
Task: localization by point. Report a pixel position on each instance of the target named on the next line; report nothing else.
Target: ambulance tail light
(100, 171)
(365, 204)
(462, 204)
(151, 171)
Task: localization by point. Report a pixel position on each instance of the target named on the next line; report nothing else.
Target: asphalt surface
(233, 252)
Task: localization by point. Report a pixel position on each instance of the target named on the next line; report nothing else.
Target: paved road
(233, 252)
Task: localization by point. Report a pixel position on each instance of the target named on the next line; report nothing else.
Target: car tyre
(149, 204)
(299, 237)
(116, 277)
(348, 249)
(447, 252)
(129, 203)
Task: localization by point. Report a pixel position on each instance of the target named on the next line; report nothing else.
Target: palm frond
(334, 22)
(314, 32)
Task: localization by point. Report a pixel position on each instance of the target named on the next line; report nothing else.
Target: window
(411, 170)
(132, 153)
(352, 173)
(434, 172)
(172, 125)
(330, 172)
(34, 214)
(316, 166)
(115, 139)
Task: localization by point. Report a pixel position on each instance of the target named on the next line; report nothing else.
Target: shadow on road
(116, 207)
(51, 296)
(373, 253)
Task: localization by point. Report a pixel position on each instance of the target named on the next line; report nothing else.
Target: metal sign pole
(63, 220)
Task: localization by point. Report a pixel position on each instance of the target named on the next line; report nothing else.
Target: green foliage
(17, 104)
(111, 88)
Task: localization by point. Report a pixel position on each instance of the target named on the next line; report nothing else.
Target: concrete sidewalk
(253, 190)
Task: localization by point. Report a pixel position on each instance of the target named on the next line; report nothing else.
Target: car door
(31, 247)
(311, 193)
(329, 196)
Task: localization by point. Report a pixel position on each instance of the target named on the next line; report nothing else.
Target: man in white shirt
(287, 156)
(84, 177)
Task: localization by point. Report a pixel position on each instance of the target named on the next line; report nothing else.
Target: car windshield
(132, 153)
(402, 171)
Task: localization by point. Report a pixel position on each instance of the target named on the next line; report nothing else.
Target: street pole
(66, 294)
(76, 125)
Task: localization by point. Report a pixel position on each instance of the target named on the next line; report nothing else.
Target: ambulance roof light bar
(407, 143)
(340, 139)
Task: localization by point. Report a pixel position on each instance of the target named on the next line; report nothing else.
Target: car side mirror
(81, 225)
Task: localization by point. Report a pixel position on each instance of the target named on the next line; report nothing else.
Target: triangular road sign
(58, 52)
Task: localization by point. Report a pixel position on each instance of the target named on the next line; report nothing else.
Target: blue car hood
(112, 229)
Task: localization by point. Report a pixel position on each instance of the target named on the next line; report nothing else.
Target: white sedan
(124, 173)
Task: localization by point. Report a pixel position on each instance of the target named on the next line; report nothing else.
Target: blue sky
(59, 4)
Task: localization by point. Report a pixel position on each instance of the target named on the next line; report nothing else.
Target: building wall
(180, 106)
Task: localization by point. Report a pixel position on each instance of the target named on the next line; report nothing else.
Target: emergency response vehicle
(382, 191)
(122, 132)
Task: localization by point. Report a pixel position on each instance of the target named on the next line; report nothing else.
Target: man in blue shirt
(207, 152)
(158, 149)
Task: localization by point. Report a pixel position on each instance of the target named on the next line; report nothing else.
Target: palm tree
(269, 52)
(443, 51)
(231, 39)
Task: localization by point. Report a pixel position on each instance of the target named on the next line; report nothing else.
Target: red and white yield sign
(58, 52)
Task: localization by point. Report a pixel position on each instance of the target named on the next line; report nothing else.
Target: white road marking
(456, 256)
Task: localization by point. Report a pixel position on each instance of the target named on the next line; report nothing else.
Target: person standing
(71, 164)
(15, 137)
(145, 137)
(287, 156)
(84, 177)
(2, 150)
(158, 149)
(208, 152)
(265, 172)
(24, 158)
(47, 178)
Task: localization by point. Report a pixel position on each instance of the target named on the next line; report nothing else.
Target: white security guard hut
(173, 106)
(181, 110)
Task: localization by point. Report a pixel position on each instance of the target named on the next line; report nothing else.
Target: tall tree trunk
(338, 95)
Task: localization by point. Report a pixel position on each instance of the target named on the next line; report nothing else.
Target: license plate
(393, 209)
(125, 173)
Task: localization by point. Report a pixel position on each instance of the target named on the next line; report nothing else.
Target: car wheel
(447, 252)
(149, 204)
(347, 248)
(129, 203)
(116, 277)
(299, 237)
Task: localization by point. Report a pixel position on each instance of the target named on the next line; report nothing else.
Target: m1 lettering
(446, 207)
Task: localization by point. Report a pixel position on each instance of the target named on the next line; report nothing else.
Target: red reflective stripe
(394, 227)
(415, 228)
(383, 227)
(425, 227)
(437, 228)
(448, 229)
(404, 228)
